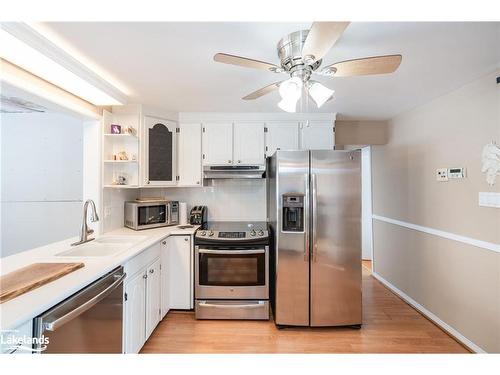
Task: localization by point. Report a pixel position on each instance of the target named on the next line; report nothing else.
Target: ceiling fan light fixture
(288, 105)
(319, 93)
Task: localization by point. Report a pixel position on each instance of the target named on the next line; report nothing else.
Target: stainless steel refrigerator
(314, 211)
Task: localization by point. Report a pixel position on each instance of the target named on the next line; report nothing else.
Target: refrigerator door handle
(314, 217)
(306, 219)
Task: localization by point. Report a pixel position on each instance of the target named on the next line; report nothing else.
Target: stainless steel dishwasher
(90, 321)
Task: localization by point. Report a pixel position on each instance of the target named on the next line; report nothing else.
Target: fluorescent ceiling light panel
(30, 59)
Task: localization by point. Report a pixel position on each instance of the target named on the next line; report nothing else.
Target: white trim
(452, 331)
(440, 233)
(254, 116)
(31, 37)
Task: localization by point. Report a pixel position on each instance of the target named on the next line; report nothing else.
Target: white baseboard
(452, 331)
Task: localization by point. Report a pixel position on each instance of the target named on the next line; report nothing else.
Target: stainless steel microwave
(151, 214)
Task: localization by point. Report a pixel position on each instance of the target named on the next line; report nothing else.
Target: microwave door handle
(229, 252)
(57, 323)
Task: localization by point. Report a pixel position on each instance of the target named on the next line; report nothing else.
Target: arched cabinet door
(159, 153)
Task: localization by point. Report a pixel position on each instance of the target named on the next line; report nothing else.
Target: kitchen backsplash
(240, 200)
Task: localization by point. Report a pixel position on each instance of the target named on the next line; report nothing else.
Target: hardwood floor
(390, 326)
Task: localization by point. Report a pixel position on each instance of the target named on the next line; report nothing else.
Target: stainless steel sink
(102, 247)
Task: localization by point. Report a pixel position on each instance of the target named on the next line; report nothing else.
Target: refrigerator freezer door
(291, 260)
(336, 238)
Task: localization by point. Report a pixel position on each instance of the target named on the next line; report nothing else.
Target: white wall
(41, 170)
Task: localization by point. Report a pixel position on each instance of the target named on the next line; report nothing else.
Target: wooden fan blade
(321, 37)
(245, 62)
(365, 66)
(263, 91)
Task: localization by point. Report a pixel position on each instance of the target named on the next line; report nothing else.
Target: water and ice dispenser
(293, 212)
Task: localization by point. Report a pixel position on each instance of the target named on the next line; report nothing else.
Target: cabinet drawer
(225, 309)
(139, 262)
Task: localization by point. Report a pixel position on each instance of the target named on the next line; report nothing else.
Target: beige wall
(457, 282)
(360, 133)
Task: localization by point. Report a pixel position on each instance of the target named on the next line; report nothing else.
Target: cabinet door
(159, 153)
(218, 143)
(153, 297)
(165, 271)
(317, 135)
(180, 275)
(281, 136)
(189, 156)
(249, 143)
(135, 313)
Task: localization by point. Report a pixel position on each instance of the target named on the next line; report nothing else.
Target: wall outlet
(487, 199)
(442, 174)
(107, 211)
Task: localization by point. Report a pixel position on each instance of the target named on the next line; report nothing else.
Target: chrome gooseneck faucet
(85, 231)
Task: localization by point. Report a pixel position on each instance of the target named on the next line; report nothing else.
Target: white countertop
(29, 305)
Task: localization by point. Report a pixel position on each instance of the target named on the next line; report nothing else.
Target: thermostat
(456, 172)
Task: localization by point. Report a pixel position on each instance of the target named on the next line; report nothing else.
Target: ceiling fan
(301, 55)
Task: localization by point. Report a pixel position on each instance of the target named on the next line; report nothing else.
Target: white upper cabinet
(248, 143)
(189, 141)
(317, 135)
(159, 152)
(218, 143)
(281, 136)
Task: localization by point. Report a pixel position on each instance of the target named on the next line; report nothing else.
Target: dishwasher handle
(57, 323)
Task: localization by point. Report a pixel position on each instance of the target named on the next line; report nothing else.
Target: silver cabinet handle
(224, 306)
(226, 252)
(164, 242)
(229, 161)
(239, 161)
(151, 271)
(145, 276)
(197, 182)
(186, 239)
(57, 323)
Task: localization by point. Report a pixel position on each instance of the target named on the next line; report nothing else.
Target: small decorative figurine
(116, 129)
(491, 162)
(130, 130)
(122, 155)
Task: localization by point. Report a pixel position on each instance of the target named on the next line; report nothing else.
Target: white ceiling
(169, 65)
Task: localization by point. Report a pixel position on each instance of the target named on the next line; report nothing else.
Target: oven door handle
(229, 252)
(233, 306)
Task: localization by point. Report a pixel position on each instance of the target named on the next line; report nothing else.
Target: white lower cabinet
(165, 274)
(142, 298)
(153, 297)
(135, 314)
(180, 272)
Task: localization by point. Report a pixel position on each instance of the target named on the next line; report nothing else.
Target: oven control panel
(227, 236)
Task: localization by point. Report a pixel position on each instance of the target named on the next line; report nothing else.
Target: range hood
(233, 171)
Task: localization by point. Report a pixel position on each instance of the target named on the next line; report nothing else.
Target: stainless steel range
(232, 271)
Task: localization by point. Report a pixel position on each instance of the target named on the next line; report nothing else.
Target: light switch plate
(487, 199)
(442, 174)
(107, 211)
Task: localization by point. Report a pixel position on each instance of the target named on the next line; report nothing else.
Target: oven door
(232, 272)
